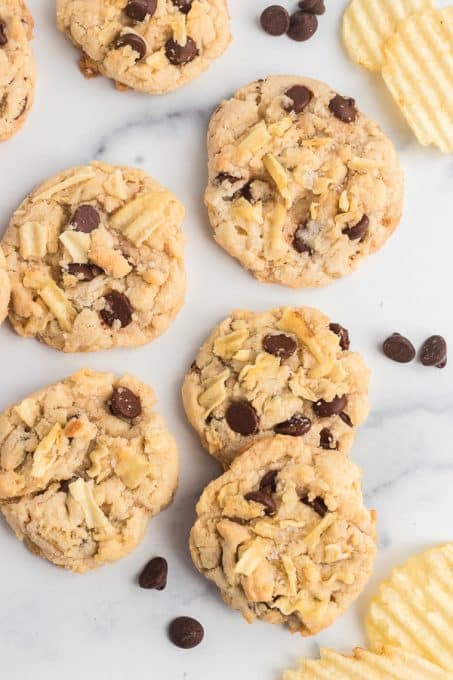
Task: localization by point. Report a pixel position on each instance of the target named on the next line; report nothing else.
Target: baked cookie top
(5, 288)
(151, 45)
(84, 464)
(287, 371)
(285, 536)
(95, 259)
(302, 185)
(17, 66)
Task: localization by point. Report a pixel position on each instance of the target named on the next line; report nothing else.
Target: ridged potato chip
(414, 607)
(392, 664)
(418, 70)
(367, 24)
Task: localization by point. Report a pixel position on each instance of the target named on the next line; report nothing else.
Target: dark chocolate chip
(140, 9)
(359, 230)
(117, 308)
(342, 333)
(84, 272)
(85, 219)
(327, 440)
(264, 498)
(3, 36)
(312, 6)
(225, 177)
(296, 426)
(301, 96)
(180, 55)
(343, 108)
(280, 345)
(398, 348)
(317, 505)
(184, 6)
(242, 418)
(325, 409)
(246, 192)
(299, 243)
(125, 404)
(275, 20)
(434, 352)
(269, 481)
(346, 419)
(154, 575)
(302, 26)
(134, 41)
(186, 632)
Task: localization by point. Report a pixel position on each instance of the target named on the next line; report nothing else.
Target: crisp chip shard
(245, 213)
(80, 177)
(180, 29)
(82, 492)
(367, 24)
(132, 468)
(32, 240)
(278, 174)
(414, 607)
(46, 452)
(214, 393)
(418, 71)
(274, 243)
(28, 411)
(77, 245)
(255, 139)
(226, 346)
(58, 304)
(252, 557)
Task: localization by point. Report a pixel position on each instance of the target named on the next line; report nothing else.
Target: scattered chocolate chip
(140, 9)
(281, 345)
(301, 96)
(117, 308)
(275, 20)
(359, 230)
(346, 419)
(84, 272)
(312, 6)
(302, 26)
(125, 404)
(317, 505)
(296, 426)
(85, 219)
(154, 575)
(180, 55)
(269, 481)
(327, 440)
(186, 632)
(242, 418)
(325, 409)
(263, 498)
(434, 352)
(343, 108)
(398, 348)
(299, 243)
(3, 36)
(342, 333)
(134, 41)
(184, 6)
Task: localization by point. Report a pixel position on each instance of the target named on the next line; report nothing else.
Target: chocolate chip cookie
(155, 46)
(5, 288)
(302, 185)
(17, 66)
(84, 465)
(286, 371)
(285, 536)
(95, 259)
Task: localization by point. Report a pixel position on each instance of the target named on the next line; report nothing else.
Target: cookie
(5, 288)
(302, 185)
(285, 536)
(84, 465)
(287, 371)
(95, 259)
(155, 46)
(17, 66)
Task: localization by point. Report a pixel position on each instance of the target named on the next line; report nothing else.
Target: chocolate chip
(125, 404)
(302, 26)
(346, 419)
(269, 481)
(398, 348)
(184, 6)
(154, 574)
(85, 219)
(84, 272)
(325, 409)
(342, 333)
(139, 9)
(296, 426)
(264, 498)
(327, 440)
(117, 308)
(180, 55)
(225, 177)
(317, 505)
(3, 36)
(359, 230)
(299, 243)
(275, 20)
(312, 6)
(186, 632)
(281, 345)
(246, 192)
(343, 108)
(64, 485)
(301, 96)
(242, 418)
(134, 41)
(434, 352)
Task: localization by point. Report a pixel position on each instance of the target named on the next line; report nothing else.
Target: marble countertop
(55, 624)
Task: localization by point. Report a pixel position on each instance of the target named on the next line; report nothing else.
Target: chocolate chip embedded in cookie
(300, 552)
(286, 372)
(95, 259)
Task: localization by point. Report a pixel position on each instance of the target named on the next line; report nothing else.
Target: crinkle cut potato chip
(391, 664)
(367, 24)
(418, 70)
(414, 607)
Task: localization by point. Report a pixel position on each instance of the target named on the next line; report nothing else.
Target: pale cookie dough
(302, 186)
(5, 288)
(95, 259)
(286, 371)
(84, 464)
(285, 536)
(155, 46)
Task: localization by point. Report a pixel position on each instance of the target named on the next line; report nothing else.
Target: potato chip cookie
(84, 465)
(302, 185)
(5, 288)
(285, 536)
(95, 259)
(286, 371)
(155, 46)
(17, 66)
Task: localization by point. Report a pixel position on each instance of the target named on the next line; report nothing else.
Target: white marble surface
(58, 625)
